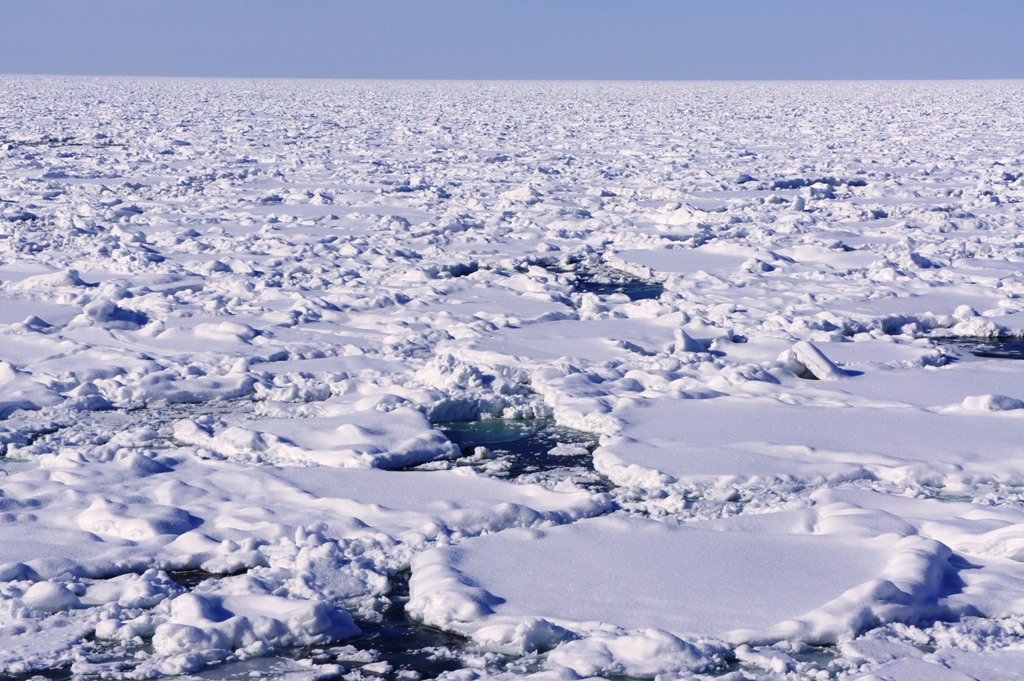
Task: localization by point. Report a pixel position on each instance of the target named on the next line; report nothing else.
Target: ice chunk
(806, 361)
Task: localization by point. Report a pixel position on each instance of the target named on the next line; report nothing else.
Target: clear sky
(556, 39)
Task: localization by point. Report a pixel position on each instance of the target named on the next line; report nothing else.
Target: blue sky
(557, 39)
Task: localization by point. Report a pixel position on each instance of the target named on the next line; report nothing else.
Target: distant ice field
(749, 354)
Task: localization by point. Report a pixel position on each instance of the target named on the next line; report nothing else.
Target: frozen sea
(517, 380)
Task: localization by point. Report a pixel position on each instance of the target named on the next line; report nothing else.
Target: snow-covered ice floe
(246, 327)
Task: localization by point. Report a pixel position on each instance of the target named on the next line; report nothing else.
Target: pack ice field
(356, 379)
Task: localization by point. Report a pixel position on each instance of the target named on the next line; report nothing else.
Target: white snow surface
(233, 312)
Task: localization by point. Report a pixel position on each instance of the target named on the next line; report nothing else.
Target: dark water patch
(1000, 347)
(801, 182)
(603, 280)
(100, 141)
(25, 438)
(634, 289)
(404, 644)
(461, 269)
(392, 646)
(593, 276)
(190, 579)
(49, 141)
(800, 660)
(820, 656)
(526, 450)
(59, 673)
(940, 494)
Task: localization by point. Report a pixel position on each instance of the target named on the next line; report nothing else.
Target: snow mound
(991, 403)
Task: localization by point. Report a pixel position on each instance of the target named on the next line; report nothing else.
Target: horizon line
(456, 79)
